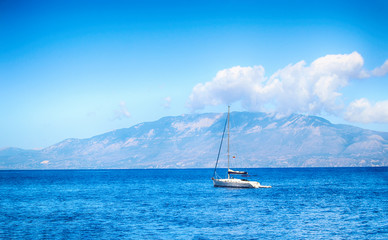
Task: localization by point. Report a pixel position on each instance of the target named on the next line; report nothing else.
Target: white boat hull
(237, 183)
(232, 182)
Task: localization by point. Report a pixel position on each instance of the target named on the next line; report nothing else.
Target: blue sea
(303, 203)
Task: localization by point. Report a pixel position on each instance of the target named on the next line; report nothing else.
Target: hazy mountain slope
(190, 141)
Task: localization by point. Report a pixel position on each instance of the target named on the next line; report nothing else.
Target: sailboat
(232, 182)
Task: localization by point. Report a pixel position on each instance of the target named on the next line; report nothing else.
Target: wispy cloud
(299, 87)
(122, 112)
(167, 102)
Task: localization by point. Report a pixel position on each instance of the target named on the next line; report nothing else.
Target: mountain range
(193, 140)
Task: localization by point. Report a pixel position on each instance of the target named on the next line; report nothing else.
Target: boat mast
(228, 140)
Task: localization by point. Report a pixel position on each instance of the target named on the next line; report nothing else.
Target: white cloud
(122, 112)
(363, 111)
(245, 84)
(167, 102)
(381, 71)
(315, 88)
(299, 87)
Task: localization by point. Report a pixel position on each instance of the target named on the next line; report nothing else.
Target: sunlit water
(314, 203)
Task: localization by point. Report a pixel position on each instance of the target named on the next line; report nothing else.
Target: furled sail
(230, 171)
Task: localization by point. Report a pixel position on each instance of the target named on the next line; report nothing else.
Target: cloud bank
(297, 88)
(363, 111)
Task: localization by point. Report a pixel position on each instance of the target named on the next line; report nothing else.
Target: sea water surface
(303, 203)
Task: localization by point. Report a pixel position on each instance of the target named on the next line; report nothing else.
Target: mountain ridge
(192, 141)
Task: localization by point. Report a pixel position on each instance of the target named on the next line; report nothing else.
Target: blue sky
(81, 68)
